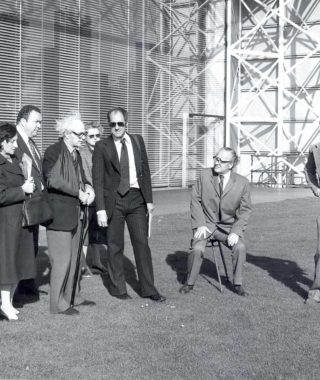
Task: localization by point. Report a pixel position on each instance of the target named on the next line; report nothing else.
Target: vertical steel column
(185, 150)
(227, 127)
(280, 93)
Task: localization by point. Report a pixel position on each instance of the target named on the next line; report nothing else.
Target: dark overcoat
(15, 264)
(65, 207)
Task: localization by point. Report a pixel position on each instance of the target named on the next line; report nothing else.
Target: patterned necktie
(124, 186)
(34, 154)
(74, 155)
(221, 178)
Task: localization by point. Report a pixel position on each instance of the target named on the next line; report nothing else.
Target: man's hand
(150, 208)
(102, 218)
(232, 239)
(201, 232)
(89, 190)
(83, 196)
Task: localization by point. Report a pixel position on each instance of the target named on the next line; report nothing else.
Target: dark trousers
(130, 209)
(30, 243)
(63, 250)
(196, 256)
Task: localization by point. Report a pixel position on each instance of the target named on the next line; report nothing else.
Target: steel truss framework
(272, 83)
(180, 59)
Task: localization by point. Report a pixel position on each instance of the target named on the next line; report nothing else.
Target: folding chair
(212, 243)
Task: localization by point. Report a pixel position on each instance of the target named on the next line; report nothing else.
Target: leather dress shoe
(87, 303)
(70, 311)
(124, 296)
(157, 297)
(98, 270)
(186, 289)
(238, 289)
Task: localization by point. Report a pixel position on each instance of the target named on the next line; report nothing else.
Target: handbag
(36, 210)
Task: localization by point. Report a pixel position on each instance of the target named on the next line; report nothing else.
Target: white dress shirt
(226, 178)
(132, 164)
(25, 138)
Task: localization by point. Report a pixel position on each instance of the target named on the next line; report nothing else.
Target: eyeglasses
(120, 124)
(219, 161)
(80, 135)
(92, 136)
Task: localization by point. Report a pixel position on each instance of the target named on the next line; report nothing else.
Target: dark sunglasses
(80, 135)
(120, 124)
(92, 136)
(218, 159)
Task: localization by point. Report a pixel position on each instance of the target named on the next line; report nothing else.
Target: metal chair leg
(223, 261)
(217, 267)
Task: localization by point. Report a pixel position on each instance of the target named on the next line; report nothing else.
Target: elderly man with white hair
(68, 190)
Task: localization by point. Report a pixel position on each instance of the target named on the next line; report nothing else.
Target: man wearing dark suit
(220, 208)
(312, 172)
(63, 232)
(28, 124)
(122, 184)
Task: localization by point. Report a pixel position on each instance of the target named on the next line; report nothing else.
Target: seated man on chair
(220, 209)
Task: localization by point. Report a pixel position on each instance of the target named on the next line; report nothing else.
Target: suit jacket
(235, 203)
(312, 169)
(36, 172)
(65, 207)
(106, 172)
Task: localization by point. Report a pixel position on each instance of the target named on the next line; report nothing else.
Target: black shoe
(185, 289)
(87, 303)
(98, 270)
(238, 289)
(124, 296)
(157, 297)
(70, 311)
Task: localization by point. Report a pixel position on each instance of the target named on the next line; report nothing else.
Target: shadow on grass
(178, 262)
(285, 271)
(130, 276)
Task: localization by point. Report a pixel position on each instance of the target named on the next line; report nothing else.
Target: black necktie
(124, 186)
(74, 155)
(34, 154)
(221, 184)
(221, 192)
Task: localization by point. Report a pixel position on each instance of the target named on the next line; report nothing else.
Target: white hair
(65, 124)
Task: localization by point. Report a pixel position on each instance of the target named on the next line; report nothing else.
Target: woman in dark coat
(13, 190)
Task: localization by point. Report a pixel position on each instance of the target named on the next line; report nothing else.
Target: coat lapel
(112, 152)
(11, 167)
(137, 154)
(24, 149)
(229, 185)
(215, 182)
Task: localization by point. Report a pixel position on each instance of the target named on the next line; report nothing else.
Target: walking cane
(76, 273)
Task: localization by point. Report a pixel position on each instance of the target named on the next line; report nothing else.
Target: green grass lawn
(204, 335)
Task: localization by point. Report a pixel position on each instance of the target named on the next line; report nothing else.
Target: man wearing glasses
(220, 209)
(68, 189)
(122, 183)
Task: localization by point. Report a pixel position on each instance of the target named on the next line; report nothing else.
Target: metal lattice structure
(178, 107)
(272, 85)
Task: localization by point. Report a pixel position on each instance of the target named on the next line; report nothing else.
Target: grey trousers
(197, 252)
(63, 250)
